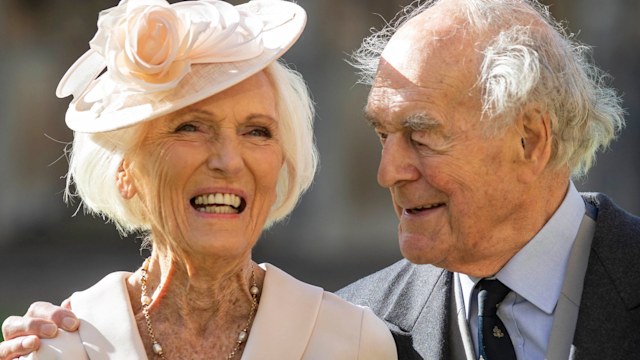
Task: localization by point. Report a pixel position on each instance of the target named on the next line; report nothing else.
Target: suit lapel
(608, 318)
(425, 335)
(414, 302)
(566, 312)
(431, 330)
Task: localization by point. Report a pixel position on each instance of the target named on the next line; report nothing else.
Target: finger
(66, 304)
(15, 326)
(63, 318)
(13, 348)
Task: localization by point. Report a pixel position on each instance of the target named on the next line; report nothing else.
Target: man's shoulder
(611, 285)
(413, 301)
(617, 231)
(615, 249)
(613, 217)
(402, 285)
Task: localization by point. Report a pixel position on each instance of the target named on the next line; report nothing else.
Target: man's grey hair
(524, 64)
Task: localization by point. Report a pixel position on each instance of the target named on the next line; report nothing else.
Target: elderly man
(485, 110)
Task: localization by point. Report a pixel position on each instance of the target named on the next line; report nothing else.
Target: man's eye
(186, 127)
(382, 136)
(426, 144)
(420, 143)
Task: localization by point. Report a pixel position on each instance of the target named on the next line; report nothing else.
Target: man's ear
(124, 181)
(536, 140)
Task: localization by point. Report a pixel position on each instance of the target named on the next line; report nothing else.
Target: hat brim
(85, 114)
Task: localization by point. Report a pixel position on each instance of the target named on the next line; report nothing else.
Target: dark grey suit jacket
(415, 300)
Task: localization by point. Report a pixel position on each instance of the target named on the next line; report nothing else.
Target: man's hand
(42, 320)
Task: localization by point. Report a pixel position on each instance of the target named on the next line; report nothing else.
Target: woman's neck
(199, 289)
(208, 301)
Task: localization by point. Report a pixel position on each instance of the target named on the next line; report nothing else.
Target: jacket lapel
(420, 315)
(608, 318)
(433, 324)
(108, 328)
(285, 319)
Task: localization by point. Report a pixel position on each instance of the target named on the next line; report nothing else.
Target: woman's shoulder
(107, 321)
(327, 325)
(66, 345)
(357, 325)
(92, 306)
(115, 281)
(109, 294)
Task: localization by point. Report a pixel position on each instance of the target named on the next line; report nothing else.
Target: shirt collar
(537, 271)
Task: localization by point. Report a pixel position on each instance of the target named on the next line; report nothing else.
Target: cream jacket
(294, 321)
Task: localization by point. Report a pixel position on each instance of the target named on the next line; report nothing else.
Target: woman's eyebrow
(193, 111)
(253, 116)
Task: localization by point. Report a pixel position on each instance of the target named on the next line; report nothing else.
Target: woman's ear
(124, 181)
(536, 140)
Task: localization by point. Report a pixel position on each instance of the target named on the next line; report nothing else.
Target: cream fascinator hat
(161, 57)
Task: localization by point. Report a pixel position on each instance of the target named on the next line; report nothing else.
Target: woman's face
(208, 173)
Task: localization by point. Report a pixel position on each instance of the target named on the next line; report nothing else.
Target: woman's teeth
(217, 203)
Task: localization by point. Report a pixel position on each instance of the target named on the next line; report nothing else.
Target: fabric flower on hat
(161, 57)
(150, 45)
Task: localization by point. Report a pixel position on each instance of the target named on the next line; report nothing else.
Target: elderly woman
(196, 136)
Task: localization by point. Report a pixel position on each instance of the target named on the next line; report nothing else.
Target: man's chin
(418, 249)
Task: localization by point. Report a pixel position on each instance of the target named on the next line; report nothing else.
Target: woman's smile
(219, 203)
(209, 172)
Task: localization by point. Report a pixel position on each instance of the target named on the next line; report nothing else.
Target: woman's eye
(186, 127)
(260, 132)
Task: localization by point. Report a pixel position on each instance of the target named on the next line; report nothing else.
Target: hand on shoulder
(22, 334)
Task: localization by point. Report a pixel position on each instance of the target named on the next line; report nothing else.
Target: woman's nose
(225, 156)
(396, 163)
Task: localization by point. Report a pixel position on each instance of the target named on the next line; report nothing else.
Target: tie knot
(490, 294)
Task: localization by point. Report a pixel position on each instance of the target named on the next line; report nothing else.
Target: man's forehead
(380, 114)
(383, 101)
(404, 97)
(428, 46)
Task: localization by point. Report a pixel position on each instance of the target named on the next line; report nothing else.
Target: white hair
(296, 126)
(95, 159)
(528, 58)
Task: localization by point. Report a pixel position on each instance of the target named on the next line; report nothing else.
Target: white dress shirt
(535, 275)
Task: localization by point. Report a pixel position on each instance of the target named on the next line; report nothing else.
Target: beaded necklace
(145, 300)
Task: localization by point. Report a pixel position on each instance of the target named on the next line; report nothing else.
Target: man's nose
(396, 162)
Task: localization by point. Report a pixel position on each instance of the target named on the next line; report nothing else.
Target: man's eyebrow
(414, 122)
(421, 122)
(371, 120)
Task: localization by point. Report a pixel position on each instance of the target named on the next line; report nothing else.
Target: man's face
(453, 188)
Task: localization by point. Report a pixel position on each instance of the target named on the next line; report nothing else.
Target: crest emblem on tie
(497, 333)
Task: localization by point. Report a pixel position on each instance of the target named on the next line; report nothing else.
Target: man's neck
(543, 201)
